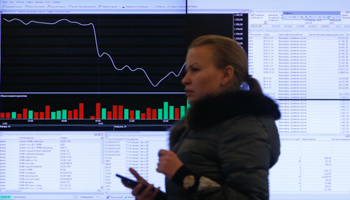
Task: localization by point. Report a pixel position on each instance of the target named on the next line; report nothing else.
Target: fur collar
(215, 109)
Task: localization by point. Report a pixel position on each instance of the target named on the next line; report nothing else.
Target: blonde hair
(228, 52)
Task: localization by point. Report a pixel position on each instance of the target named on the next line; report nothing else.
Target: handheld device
(132, 184)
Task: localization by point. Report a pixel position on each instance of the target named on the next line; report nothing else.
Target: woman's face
(203, 78)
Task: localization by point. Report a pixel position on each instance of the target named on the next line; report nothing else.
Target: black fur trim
(216, 109)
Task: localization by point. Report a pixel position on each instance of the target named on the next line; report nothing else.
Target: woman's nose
(185, 79)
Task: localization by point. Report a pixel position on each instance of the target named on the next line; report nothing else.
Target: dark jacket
(231, 139)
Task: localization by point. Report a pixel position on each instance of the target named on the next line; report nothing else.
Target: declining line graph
(98, 51)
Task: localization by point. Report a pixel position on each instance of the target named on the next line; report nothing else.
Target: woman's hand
(147, 194)
(168, 163)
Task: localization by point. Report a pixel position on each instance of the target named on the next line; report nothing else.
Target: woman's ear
(228, 73)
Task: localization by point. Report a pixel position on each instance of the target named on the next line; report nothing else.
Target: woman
(228, 140)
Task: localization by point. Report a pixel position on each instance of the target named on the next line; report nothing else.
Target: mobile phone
(132, 184)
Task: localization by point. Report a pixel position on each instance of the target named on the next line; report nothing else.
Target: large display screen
(103, 79)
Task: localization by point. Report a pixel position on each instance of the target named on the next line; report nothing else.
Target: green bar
(126, 113)
(137, 114)
(13, 115)
(30, 114)
(160, 113)
(64, 114)
(171, 112)
(182, 112)
(53, 115)
(166, 109)
(188, 105)
(59, 114)
(5, 197)
(104, 113)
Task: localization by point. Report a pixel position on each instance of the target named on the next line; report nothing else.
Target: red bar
(36, 115)
(177, 113)
(92, 117)
(98, 110)
(132, 114)
(154, 113)
(120, 113)
(70, 114)
(19, 116)
(8, 115)
(75, 113)
(143, 115)
(25, 113)
(42, 115)
(2, 115)
(115, 111)
(47, 112)
(148, 113)
(109, 114)
(81, 111)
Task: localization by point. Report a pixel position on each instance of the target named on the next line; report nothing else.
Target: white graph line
(98, 51)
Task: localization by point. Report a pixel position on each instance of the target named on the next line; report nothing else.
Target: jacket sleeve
(244, 154)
